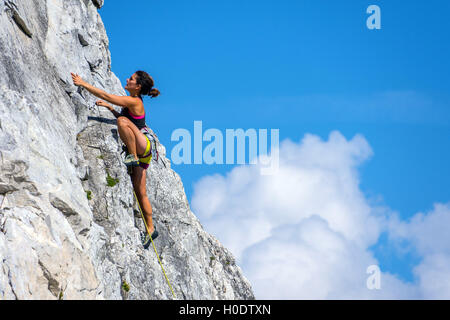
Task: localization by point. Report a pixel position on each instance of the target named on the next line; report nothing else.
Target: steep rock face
(64, 232)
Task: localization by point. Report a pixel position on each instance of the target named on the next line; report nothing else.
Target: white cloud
(304, 232)
(428, 234)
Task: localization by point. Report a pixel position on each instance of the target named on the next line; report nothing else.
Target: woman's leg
(138, 178)
(133, 138)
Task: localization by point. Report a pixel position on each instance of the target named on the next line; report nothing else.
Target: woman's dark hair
(147, 84)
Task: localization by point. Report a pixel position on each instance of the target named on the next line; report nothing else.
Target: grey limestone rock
(64, 232)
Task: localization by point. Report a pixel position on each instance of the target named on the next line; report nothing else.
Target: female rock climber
(129, 123)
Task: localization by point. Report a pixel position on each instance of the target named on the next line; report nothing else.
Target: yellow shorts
(144, 161)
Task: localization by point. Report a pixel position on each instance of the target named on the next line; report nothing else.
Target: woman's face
(132, 84)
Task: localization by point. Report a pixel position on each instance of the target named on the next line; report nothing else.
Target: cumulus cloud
(428, 235)
(305, 232)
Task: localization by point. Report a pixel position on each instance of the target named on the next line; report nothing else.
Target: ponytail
(154, 93)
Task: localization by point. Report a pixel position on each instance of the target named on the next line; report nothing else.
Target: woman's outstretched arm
(123, 101)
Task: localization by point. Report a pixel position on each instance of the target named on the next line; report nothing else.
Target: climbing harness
(154, 154)
(153, 142)
(130, 171)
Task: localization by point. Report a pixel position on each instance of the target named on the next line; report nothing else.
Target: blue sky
(303, 67)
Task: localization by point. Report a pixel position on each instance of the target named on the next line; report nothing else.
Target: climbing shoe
(145, 238)
(130, 161)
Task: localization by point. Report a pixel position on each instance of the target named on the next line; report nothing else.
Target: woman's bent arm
(114, 112)
(110, 108)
